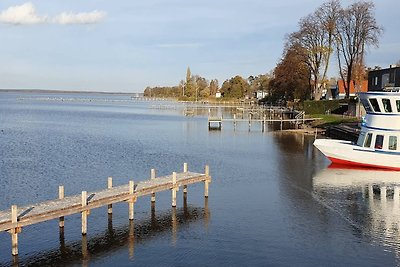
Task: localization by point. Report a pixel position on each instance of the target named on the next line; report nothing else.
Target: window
(368, 140)
(374, 104)
(379, 141)
(361, 139)
(367, 106)
(386, 105)
(392, 142)
(398, 105)
(376, 81)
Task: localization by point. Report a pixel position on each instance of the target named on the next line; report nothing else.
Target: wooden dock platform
(219, 120)
(14, 219)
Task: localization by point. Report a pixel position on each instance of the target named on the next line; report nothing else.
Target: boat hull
(344, 152)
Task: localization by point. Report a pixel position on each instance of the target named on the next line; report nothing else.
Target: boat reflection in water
(367, 198)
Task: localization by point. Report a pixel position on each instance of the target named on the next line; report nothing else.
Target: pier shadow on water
(114, 239)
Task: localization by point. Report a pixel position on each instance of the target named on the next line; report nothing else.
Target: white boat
(377, 144)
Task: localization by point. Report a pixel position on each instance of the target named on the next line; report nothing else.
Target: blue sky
(124, 45)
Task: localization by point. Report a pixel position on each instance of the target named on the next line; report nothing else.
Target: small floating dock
(214, 123)
(16, 218)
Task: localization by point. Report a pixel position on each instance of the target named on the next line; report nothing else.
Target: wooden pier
(14, 219)
(216, 122)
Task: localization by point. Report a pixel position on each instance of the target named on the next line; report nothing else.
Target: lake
(274, 199)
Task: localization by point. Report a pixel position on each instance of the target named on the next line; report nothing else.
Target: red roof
(364, 87)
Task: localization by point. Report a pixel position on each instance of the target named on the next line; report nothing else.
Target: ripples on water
(273, 201)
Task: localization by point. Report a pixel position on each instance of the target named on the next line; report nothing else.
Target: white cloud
(80, 18)
(23, 14)
(26, 14)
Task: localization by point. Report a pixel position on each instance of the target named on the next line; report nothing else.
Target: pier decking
(212, 121)
(17, 217)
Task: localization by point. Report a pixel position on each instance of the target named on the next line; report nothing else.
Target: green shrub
(323, 106)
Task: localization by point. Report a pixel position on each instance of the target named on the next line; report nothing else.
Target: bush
(324, 106)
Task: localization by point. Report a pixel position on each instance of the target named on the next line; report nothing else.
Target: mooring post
(109, 186)
(185, 170)
(174, 189)
(234, 121)
(263, 123)
(61, 196)
(132, 200)
(152, 177)
(14, 230)
(207, 172)
(84, 213)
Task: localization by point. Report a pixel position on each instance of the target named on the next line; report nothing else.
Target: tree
(189, 84)
(291, 76)
(356, 29)
(315, 36)
(213, 87)
(235, 87)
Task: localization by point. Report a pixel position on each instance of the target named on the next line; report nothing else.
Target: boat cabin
(379, 140)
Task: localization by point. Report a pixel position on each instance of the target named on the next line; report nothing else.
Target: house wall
(379, 79)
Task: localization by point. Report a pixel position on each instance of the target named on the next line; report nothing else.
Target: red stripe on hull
(347, 162)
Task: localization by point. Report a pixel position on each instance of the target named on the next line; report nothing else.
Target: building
(260, 94)
(384, 79)
(353, 89)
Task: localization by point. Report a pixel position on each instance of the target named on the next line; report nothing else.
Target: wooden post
(185, 169)
(234, 121)
(132, 200)
(263, 123)
(207, 172)
(152, 177)
(14, 231)
(174, 189)
(109, 186)
(84, 213)
(61, 196)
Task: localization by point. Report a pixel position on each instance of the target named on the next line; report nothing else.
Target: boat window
(398, 105)
(386, 105)
(379, 141)
(374, 104)
(392, 142)
(368, 140)
(361, 139)
(367, 106)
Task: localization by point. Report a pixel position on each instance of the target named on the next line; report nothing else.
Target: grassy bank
(331, 119)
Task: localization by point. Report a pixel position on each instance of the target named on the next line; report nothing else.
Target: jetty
(216, 122)
(14, 219)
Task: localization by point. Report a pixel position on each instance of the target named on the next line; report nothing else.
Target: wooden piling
(207, 172)
(174, 189)
(109, 186)
(61, 196)
(132, 200)
(152, 177)
(84, 213)
(14, 231)
(185, 170)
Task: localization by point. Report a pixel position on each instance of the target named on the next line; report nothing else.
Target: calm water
(273, 201)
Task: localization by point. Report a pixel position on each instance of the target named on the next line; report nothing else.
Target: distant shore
(43, 91)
